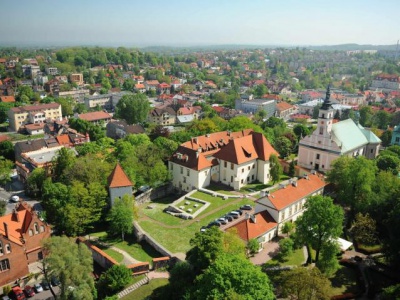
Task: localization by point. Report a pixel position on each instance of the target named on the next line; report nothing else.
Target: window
(242, 170)
(8, 248)
(254, 166)
(248, 168)
(321, 130)
(184, 179)
(323, 115)
(187, 172)
(252, 177)
(397, 139)
(1, 249)
(36, 226)
(231, 166)
(30, 232)
(4, 265)
(241, 181)
(372, 150)
(248, 179)
(290, 211)
(317, 156)
(225, 164)
(41, 228)
(231, 178)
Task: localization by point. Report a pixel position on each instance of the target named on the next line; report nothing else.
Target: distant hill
(349, 47)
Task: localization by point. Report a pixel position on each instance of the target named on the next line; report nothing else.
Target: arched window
(1, 248)
(41, 228)
(36, 228)
(30, 232)
(8, 248)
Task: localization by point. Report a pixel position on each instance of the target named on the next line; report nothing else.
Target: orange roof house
(119, 184)
(246, 152)
(255, 226)
(7, 99)
(21, 233)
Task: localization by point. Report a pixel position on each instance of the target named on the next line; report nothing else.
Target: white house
(232, 158)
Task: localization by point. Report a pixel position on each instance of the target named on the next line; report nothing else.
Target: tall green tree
(231, 274)
(320, 223)
(121, 216)
(114, 280)
(6, 167)
(276, 169)
(133, 108)
(65, 159)
(284, 146)
(72, 264)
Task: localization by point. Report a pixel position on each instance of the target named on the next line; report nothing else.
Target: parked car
(214, 223)
(45, 285)
(38, 288)
(29, 292)
(246, 207)
(239, 211)
(203, 228)
(54, 281)
(14, 198)
(229, 218)
(223, 221)
(234, 214)
(17, 293)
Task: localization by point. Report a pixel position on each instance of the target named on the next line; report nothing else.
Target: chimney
(294, 183)
(15, 215)
(5, 229)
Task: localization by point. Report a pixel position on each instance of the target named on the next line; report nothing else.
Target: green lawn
(295, 259)
(344, 281)
(220, 189)
(141, 251)
(177, 239)
(146, 290)
(156, 213)
(114, 254)
(254, 187)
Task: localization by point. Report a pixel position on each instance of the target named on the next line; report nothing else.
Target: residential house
(395, 136)
(52, 86)
(151, 85)
(119, 129)
(118, 184)
(31, 114)
(36, 128)
(231, 158)
(164, 88)
(331, 140)
(386, 82)
(102, 100)
(77, 95)
(284, 110)
(140, 88)
(7, 99)
(21, 236)
(76, 78)
(274, 209)
(51, 70)
(96, 117)
(162, 116)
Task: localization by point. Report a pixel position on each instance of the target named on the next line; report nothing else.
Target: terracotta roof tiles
(118, 178)
(248, 230)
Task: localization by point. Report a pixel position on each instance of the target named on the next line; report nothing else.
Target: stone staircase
(133, 287)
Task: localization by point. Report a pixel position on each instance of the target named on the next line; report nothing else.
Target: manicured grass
(295, 259)
(114, 254)
(146, 290)
(344, 281)
(220, 189)
(177, 239)
(157, 213)
(254, 187)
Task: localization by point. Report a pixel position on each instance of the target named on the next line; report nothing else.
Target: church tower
(325, 116)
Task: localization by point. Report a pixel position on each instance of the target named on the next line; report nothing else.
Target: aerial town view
(205, 150)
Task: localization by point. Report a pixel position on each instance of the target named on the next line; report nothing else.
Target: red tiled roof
(35, 107)
(63, 139)
(9, 99)
(139, 86)
(248, 230)
(281, 106)
(94, 116)
(291, 194)
(118, 178)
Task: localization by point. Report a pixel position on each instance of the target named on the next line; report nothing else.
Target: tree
(287, 228)
(320, 223)
(35, 182)
(232, 275)
(64, 160)
(292, 170)
(276, 169)
(121, 216)
(305, 283)
(363, 229)
(328, 262)
(206, 247)
(67, 105)
(260, 90)
(284, 146)
(253, 246)
(286, 247)
(353, 178)
(4, 108)
(6, 167)
(389, 163)
(72, 264)
(386, 138)
(3, 206)
(301, 130)
(133, 108)
(114, 280)
(180, 280)
(366, 116)
(7, 150)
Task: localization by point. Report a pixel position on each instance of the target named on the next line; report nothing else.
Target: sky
(141, 23)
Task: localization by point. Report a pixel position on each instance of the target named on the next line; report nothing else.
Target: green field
(344, 281)
(176, 238)
(295, 259)
(146, 290)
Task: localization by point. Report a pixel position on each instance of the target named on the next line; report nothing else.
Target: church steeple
(327, 102)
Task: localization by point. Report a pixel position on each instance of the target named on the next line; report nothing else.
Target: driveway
(269, 251)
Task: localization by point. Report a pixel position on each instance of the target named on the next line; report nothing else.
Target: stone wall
(155, 193)
(99, 256)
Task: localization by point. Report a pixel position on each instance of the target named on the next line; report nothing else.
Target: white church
(331, 140)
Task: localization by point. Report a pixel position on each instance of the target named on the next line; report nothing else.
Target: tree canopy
(133, 108)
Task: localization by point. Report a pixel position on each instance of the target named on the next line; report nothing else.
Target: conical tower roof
(118, 178)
